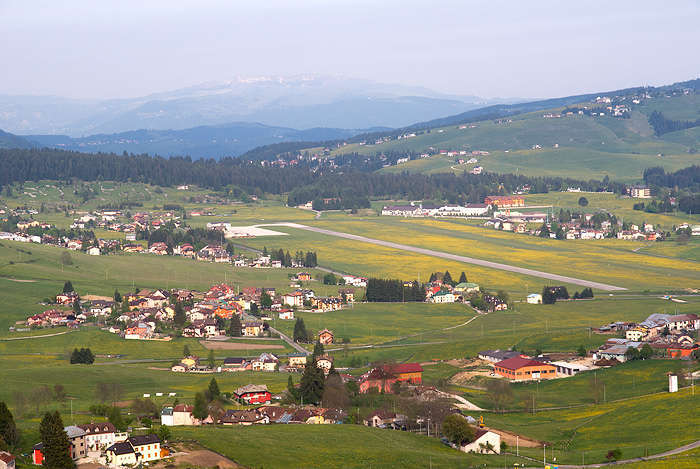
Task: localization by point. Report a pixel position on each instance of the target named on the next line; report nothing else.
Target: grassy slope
(588, 147)
(650, 424)
(346, 446)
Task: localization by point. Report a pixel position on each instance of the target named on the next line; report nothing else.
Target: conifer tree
(56, 448)
(463, 278)
(8, 429)
(213, 389)
(447, 278)
(234, 328)
(200, 406)
(67, 287)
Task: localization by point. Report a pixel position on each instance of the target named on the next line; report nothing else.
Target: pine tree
(463, 278)
(447, 278)
(115, 418)
(211, 360)
(300, 334)
(68, 287)
(76, 307)
(8, 429)
(213, 389)
(234, 328)
(56, 448)
(179, 318)
(318, 351)
(200, 406)
(292, 391)
(117, 296)
(186, 351)
(312, 380)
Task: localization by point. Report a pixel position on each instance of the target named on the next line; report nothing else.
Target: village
(501, 213)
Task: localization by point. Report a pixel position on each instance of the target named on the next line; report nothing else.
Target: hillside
(8, 140)
(199, 142)
(572, 140)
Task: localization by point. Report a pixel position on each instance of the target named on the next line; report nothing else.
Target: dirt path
(37, 336)
(216, 345)
(203, 458)
(455, 257)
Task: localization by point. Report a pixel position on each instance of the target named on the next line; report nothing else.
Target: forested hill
(352, 187)
(209, 141)
(8, 140)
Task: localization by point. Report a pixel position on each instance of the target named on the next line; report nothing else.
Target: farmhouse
(146, 447)
(7, 461)
(325, 363)
(253, 394)
(325, 337)
(297, 361)
(521, 369)
(233, 364)
(99, 436)
(485, 442)
(181, 414)
(534, 299)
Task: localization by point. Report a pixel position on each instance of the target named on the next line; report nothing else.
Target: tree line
(662, 125)
(394, 290)
(302, 184)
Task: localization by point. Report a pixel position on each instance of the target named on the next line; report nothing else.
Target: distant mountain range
(294, 102)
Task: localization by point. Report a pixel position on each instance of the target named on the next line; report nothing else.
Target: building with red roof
(525, 368)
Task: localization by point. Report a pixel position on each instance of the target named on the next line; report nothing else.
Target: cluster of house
(426, 210)
(204, 311)
(439, 292)
(516, 366)
(575, 229)
(468, 210)
(181, 415)
(668, 335)
(296, 361)
(102, 444)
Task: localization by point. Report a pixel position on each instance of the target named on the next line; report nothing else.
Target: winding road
(455, 257)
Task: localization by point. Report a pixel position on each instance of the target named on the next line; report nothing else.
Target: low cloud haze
(485, 48)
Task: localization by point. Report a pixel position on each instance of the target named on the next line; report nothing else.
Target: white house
(99, 436)
(485, 442)
(534, 299)
(286, 315)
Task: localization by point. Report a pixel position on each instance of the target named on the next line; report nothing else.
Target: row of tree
(307, 259)
(394, 291)
(82, 356)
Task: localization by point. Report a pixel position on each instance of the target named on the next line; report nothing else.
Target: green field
(639, 426)
(26, 279)
(341, 446)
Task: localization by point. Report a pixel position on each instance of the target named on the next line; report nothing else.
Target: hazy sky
(486, 48)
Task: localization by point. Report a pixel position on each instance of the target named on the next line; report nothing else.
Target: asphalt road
(455, 257)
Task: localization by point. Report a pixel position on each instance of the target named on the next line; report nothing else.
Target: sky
(534, 49)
